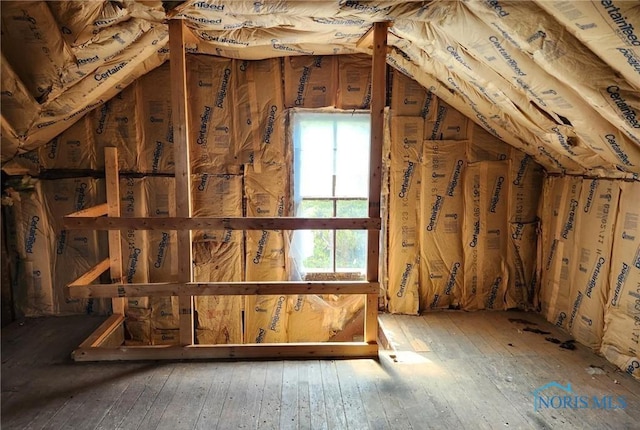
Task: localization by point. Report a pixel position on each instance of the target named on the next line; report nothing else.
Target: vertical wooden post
(180, 119)
(378, 99)
(113, 209)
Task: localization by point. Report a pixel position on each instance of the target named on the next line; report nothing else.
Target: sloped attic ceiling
(558, 79)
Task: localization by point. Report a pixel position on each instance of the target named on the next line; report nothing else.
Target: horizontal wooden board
(249, 351)
(221, 289)
(217, 223)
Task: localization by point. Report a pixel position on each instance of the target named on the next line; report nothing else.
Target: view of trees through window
(331, 176)
(350, 245)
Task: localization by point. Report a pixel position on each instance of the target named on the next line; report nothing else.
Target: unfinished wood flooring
(449, 370)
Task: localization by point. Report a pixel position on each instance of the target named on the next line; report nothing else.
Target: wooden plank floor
(449, 370)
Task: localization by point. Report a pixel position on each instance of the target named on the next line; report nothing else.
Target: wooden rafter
(366, 41)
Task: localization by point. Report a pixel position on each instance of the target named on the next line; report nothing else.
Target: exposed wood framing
(94, 211)
(105, 343)
(107, 335)
(92, 274)
(366, 41)
(113, 210)
(378, 96)
(178, 65)
(351, 329)
(383, 340)
(87, 291)
(262, 350)
(371, 317)
(217, 223)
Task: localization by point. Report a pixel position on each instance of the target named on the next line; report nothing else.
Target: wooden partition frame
(106, 342)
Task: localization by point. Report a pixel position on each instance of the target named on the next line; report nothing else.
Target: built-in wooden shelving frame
(106, 342)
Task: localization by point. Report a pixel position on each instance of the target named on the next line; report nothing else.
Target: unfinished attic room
(320, 214)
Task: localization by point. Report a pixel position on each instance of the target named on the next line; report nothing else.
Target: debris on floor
(595, 370)
(536, 330)
(568, 344)
(521, 321)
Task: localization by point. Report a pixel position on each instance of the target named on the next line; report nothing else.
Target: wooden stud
(164, 289)
(113, 210)
(336, 350)
(105, 333)
(378, 99)
(178, 70)
(371, 317)
(93, 211)
(218, 223)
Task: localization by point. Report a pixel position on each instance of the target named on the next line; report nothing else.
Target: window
(331, 179)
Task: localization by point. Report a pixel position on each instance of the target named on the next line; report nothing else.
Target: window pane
(317, 245)
(351, 250)
(319, 252)
(352, 208)
(315, 209)
(316, 157)
(352, 158)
